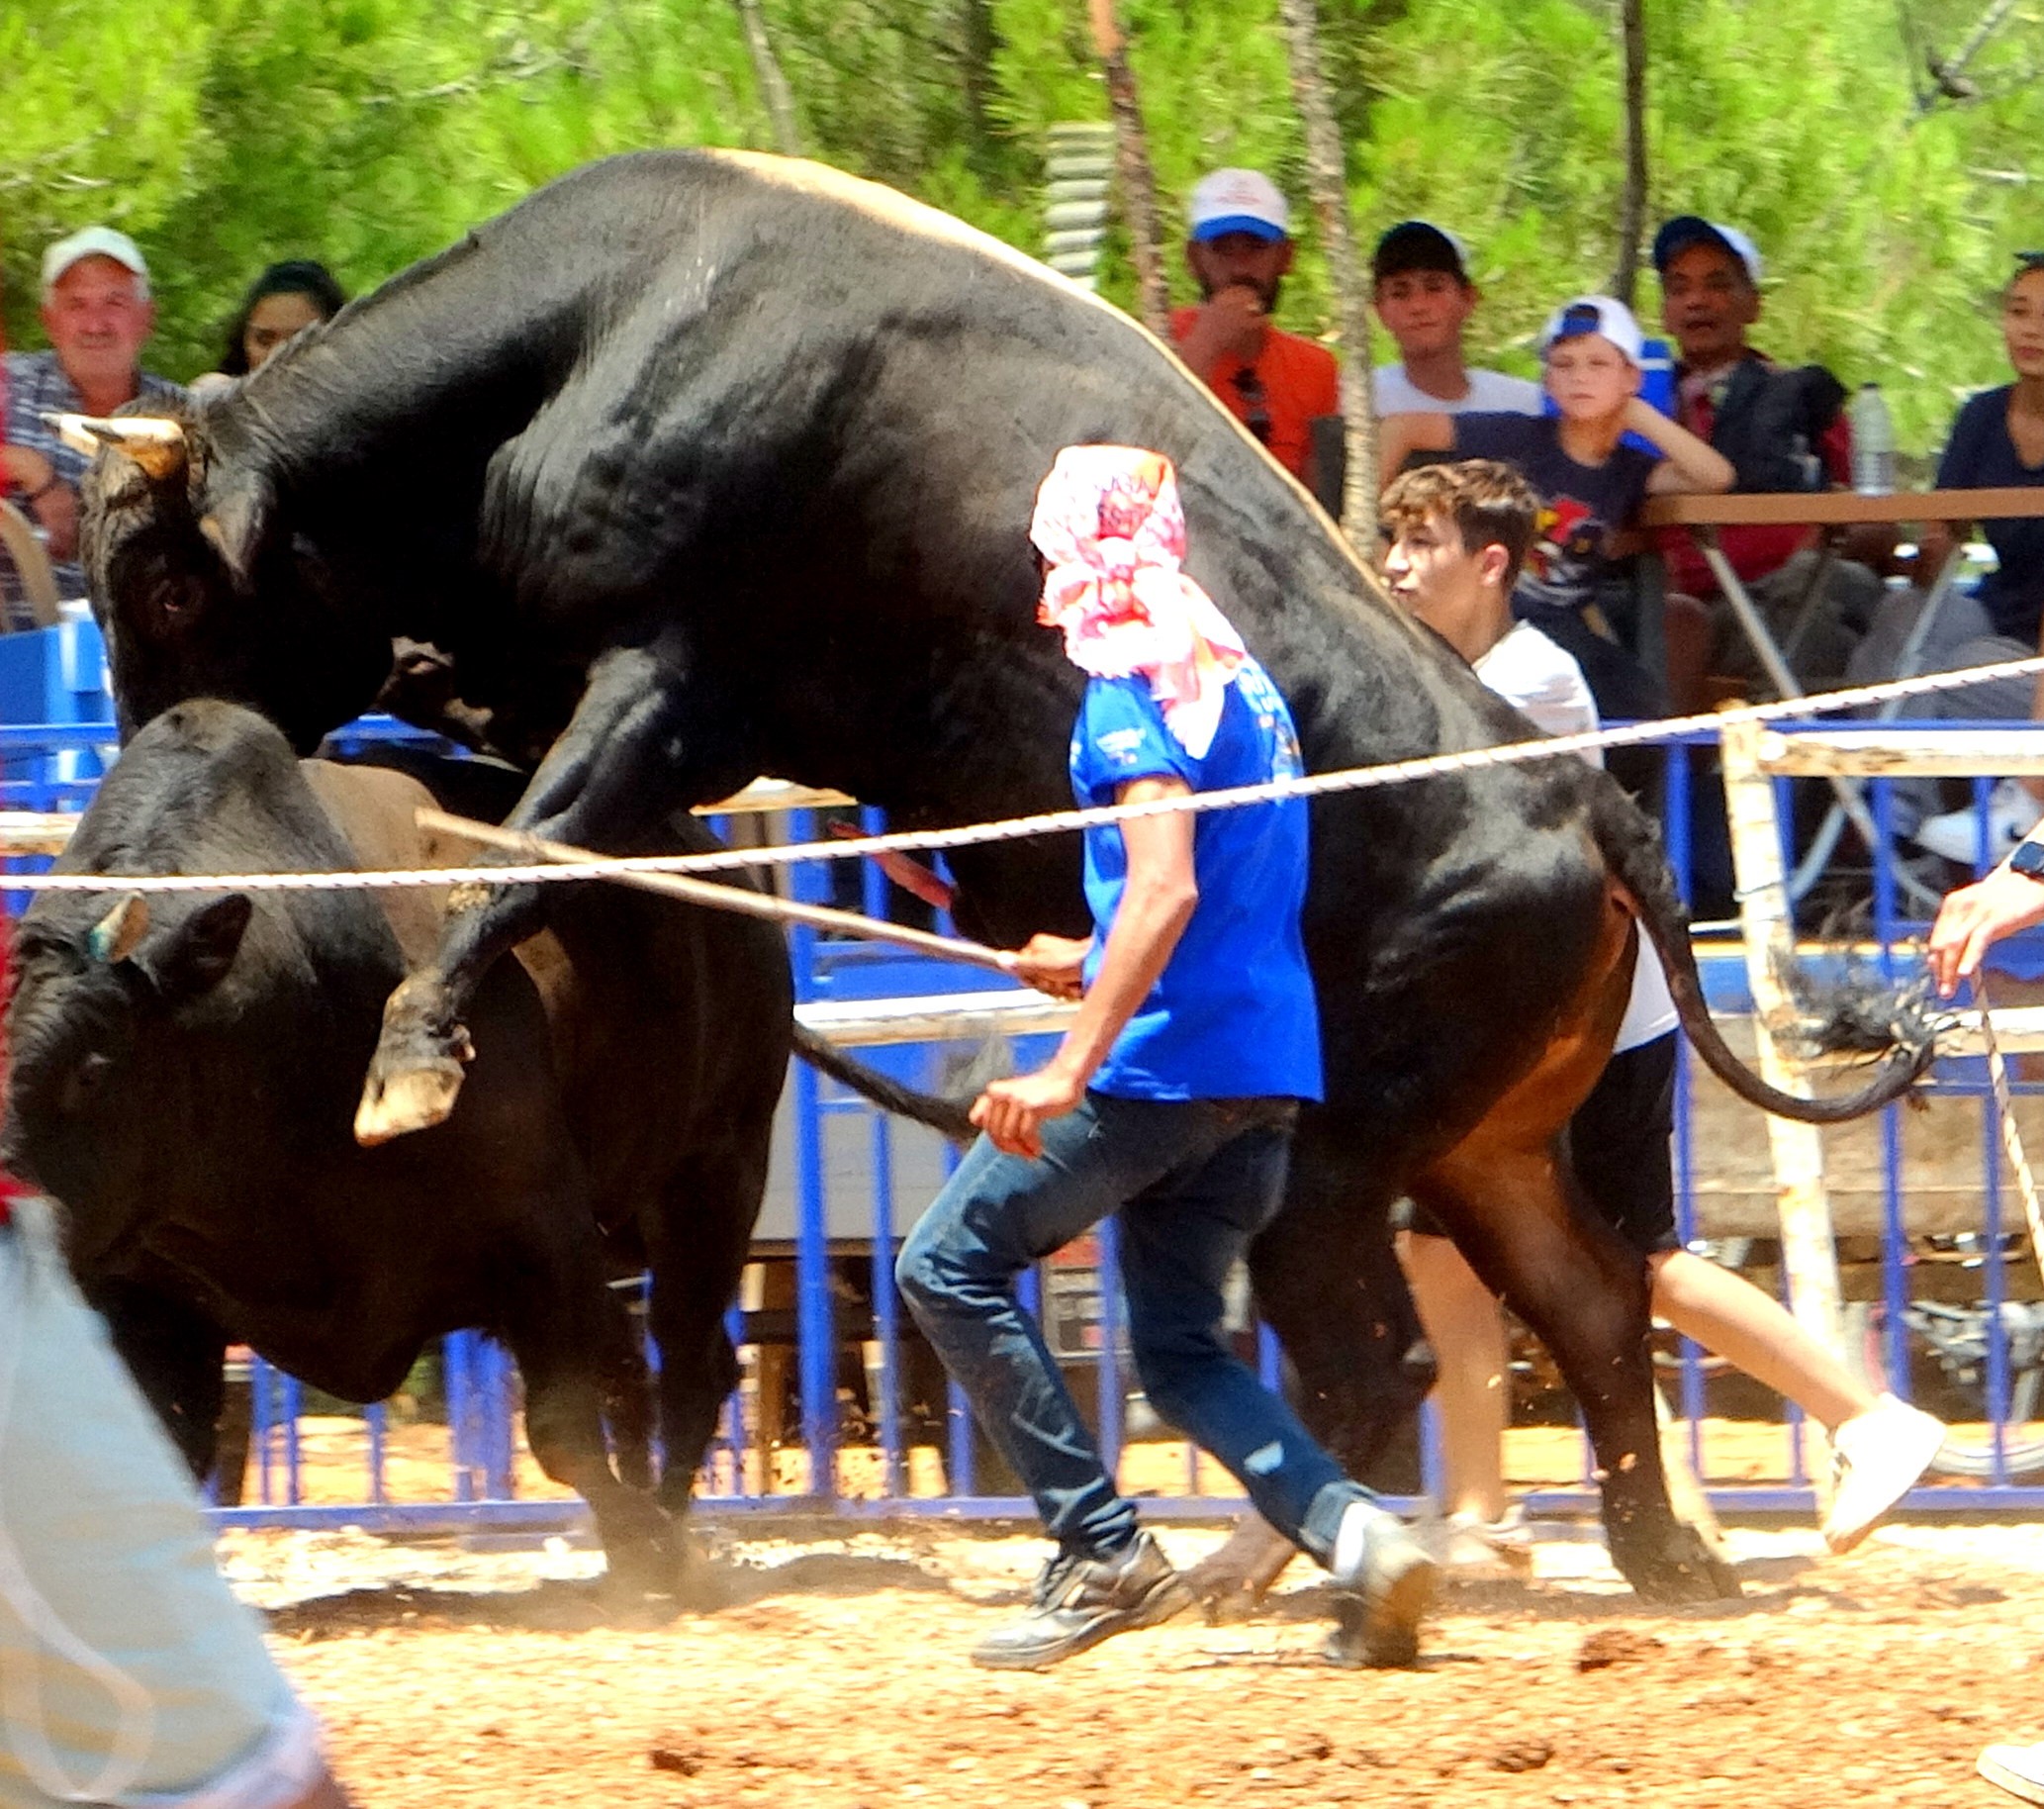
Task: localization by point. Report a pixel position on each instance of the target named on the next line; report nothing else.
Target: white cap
(92, 241)
(1597, 314)
(1238, 201)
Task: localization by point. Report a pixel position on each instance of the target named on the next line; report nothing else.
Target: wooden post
(1810, 1255)
(1633, 205)
(1327, 174)
(774, 92)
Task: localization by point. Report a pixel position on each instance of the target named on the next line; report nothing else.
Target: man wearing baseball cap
(1419, 282)
(97, 312)
(1782, 429)
(1239, 248)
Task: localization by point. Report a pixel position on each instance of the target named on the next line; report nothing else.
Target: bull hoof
(1674, 1568)
(414, 1075)
(395, 1105)
(1231, 1584)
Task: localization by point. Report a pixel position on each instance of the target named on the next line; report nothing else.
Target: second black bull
(185, 1068)
(735, 457)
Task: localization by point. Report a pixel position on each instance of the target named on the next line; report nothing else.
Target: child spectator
(1589, 482)
(1424, 297)
(1457, 534)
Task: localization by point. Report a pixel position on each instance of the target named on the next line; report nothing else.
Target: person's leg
(1466, 1330)
(133, 1673)
(1179, 1239)
(958, 1272)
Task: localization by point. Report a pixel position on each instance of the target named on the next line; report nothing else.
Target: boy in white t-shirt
(1425, 298)
(1459, 533)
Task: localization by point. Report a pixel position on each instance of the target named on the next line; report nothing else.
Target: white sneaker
(1481, 1550)
(1385, 1580)
(2012, 813)
(2017, 1769)
(1877, 1456)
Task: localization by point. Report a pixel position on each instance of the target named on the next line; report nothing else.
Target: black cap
(1418, 245)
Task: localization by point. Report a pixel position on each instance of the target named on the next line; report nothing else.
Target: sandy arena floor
(837, 1677)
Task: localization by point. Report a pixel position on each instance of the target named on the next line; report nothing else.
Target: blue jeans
(1192, 1182)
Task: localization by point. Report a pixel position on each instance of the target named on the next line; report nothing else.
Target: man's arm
(1157, 902)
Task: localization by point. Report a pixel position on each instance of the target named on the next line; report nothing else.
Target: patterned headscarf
(1109, 524)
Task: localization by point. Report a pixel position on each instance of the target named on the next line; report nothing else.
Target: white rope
(1048, 822)
(2005, 1106)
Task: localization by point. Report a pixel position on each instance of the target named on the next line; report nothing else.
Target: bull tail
(1848, 1016)
(946, 1116)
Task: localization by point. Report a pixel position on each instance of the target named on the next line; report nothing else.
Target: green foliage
(226, 133)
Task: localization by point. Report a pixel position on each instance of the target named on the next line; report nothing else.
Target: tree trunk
(1633, 208)
(1132, 167)
(1328, 178)
(772, 84)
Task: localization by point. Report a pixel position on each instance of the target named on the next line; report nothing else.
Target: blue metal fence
(856, 1180)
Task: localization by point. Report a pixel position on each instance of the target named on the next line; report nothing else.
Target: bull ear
(189, 961)
(115, 936)
(235, 516)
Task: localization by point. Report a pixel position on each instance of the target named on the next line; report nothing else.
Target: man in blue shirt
(1169, 1104)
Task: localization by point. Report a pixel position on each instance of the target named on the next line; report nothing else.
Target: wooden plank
(935, 1018)
(1841, 508)
(36, 831)
(1808, 1248)
(769, 794)
(1886, 752)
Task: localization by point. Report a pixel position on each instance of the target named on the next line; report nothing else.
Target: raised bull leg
(643, 739)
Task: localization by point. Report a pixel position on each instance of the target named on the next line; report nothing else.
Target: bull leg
(642, 741)
(697, 1252)
(1510, 1210)
(574, 1348)
(175, 1353)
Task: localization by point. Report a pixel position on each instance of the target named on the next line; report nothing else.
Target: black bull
(737, 455)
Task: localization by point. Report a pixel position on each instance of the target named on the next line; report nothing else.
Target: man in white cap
(1782, 429)
(97, 312)
(1239, 248)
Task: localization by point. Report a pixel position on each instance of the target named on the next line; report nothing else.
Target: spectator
(283, 300)
(1239, 248)
(1459, 533)
(1424, 297)
(1781, 430)
(1998, 441)
(97, 312)
(1588, 480)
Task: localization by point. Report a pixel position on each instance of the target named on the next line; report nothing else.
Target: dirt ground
(836, 1677)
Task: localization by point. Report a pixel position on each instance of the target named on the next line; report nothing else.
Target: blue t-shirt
(1581, 505)
(1980, 455)
(1233, 1015)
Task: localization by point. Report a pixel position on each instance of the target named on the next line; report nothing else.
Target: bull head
(157, 446)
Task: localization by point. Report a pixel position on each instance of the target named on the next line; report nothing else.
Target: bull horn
(119, 933)
(155, 443)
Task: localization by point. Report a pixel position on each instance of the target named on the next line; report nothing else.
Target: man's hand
(1975, 916)
(1012, 1111)
(1232, 323)
(1053, 964)
(56, 509)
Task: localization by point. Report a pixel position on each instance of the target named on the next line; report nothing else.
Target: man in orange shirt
(1239, 248)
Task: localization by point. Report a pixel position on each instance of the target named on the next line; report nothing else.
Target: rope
(2004, 1108)
(1048, 822)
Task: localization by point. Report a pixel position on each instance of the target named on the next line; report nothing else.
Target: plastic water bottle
(1873, 442)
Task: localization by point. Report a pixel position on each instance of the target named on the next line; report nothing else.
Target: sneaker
(1387, 1580)
(1081, 1601)
(1876, 1458)
(1479, 1551)
(2012, 813)
(2017, 1769)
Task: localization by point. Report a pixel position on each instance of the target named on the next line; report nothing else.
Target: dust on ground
(836, 1677)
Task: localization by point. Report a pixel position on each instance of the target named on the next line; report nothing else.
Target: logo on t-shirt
(1121, 746)
(1568, 544)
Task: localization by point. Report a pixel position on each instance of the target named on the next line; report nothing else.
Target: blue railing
(848, 1182)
